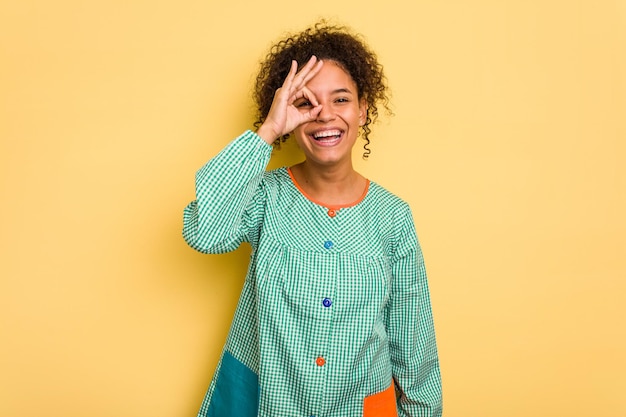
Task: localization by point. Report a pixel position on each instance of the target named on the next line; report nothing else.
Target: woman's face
(328, 140)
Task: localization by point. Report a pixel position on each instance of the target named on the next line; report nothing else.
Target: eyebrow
(342, 90)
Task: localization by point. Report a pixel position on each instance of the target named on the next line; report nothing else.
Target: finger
(303, 92)
(312, 114)
(313, 72)
(309, 64)
(287, 84)
(310, 96)
(302, 76)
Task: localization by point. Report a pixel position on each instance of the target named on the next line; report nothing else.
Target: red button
(320, 361)
(332, 213)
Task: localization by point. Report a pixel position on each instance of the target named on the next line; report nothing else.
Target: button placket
(322, 347)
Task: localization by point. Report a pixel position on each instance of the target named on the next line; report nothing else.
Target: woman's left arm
(415, 363)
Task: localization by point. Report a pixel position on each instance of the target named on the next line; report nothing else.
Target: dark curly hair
(331, 43)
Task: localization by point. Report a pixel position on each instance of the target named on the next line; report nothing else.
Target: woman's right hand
(284, 116)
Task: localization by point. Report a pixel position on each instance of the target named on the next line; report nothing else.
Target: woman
(334, 318)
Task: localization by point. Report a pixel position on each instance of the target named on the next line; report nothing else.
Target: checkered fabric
(333, 309)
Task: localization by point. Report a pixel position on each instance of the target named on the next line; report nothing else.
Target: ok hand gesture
(283, 116)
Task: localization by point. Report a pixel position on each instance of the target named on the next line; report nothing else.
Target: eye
(342, 100)
(303, 104)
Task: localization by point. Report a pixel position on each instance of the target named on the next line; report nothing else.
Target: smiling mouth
(327, 137)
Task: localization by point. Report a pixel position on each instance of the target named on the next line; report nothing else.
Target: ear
(362, 111)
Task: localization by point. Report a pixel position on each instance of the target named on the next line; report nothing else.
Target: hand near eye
(283, 116)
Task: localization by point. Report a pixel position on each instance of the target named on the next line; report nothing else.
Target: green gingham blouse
(334, 312)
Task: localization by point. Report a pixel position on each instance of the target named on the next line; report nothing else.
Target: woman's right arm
(229, 201)
(229, 205)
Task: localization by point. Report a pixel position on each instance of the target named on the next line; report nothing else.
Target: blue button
(328, 244)
(327, 302)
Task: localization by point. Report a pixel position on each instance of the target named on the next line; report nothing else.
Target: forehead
(330, 78)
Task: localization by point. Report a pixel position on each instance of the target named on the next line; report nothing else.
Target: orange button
(332, 213)
(320, 361)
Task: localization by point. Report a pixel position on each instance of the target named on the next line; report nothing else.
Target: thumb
(314, 112)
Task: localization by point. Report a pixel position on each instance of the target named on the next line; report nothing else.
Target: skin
(320, 105)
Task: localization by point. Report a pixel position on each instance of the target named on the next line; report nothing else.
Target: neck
(333, 185)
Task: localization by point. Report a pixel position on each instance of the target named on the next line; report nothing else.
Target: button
(328, 244)
(332, 213)
(327, 302)
(320, 361)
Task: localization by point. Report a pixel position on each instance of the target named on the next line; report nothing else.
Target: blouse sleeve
(229, 201)
(413, 349)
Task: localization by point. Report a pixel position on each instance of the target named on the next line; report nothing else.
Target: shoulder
(276, 177)
(275, 182)
(383, 199)
(395, 213)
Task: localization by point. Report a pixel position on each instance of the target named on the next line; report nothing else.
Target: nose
(326, 114)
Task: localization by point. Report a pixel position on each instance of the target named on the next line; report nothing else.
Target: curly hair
(326, 42)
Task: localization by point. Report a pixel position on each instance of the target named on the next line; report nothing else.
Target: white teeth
(326, 134)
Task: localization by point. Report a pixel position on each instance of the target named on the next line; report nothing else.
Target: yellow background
(508, 141)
